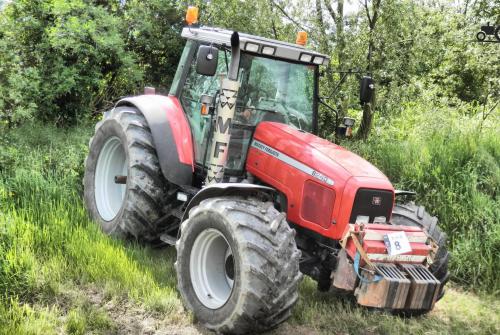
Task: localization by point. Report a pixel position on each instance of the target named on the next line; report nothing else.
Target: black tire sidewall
(497, 33)
(415, 221)
(109, 128)
(198, 224)
(480, 36)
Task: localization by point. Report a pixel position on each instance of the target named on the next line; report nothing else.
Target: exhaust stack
(224, 117)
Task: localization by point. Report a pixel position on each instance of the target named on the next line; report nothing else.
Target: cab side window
(195, 86)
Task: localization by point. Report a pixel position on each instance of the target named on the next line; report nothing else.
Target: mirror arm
(225, 58)
(335, 112)
(341, 81)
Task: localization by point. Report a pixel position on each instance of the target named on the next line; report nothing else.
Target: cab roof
(257, 45)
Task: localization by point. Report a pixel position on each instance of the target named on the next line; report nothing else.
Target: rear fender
(171, 135)
(226, 189)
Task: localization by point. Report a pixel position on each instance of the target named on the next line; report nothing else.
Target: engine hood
(352, 163)
(315, 151)
(289, 159)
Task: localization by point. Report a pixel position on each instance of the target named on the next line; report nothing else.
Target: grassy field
(60, 274)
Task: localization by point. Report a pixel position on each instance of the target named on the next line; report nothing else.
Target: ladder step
(168, 239)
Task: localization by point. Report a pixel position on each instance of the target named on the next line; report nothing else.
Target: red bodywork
(348, 171)
(180, 129)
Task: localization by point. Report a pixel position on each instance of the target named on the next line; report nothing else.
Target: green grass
(60, 274)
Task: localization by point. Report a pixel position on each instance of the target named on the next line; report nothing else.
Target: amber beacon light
(301, 38)
(192, 15)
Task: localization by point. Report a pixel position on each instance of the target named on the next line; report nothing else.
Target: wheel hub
(212, 268)
(109, 195)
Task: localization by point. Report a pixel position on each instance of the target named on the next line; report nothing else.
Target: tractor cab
(278, 82)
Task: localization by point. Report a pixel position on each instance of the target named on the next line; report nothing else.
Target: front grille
(372, 203)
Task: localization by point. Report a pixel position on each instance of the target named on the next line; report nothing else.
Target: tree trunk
(323, 38)
(366, 122)
(339, 25)
(368, 108)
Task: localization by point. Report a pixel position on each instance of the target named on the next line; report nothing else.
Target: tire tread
(269, 294)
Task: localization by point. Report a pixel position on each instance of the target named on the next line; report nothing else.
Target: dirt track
(130, 318)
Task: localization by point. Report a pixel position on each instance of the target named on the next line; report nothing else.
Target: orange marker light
(204, 110)
(192, 15)
(301, 38)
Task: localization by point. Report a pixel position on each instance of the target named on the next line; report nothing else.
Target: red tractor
(228, 169)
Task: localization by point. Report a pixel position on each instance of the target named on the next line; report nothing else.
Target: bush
(63, 60)
(69, 56)
(154, 28)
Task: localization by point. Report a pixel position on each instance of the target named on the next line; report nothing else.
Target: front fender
(225, 189)
(171, 135)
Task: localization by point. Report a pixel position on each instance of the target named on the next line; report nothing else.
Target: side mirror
(367, 87)
(206, 60)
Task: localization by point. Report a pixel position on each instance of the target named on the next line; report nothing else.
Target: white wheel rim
(109, 195)
(211, 267)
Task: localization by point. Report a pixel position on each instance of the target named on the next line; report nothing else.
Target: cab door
(194, 87)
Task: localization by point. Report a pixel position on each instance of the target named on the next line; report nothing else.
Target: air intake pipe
(225, 115)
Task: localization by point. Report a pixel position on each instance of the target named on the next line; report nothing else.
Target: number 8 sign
(397, 243)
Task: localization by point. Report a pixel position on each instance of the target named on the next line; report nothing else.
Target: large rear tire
(123, 146)
(238, 265)
(410, 214)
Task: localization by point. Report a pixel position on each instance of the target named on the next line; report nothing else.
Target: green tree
(153, 34)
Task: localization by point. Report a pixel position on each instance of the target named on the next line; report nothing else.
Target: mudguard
(225, 189)
(171, 135)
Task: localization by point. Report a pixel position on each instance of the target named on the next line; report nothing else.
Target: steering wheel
(274, 106)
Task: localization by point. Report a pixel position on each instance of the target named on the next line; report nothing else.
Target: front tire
(410, 214)
(238, 265)
(123, 146)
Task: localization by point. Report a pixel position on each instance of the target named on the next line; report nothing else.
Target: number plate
(397, 243)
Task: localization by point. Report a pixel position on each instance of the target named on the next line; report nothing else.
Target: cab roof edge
(256, 44)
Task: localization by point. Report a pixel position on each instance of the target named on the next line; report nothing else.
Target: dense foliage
(63, 60)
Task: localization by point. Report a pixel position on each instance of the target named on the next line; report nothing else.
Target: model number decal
(292, 162)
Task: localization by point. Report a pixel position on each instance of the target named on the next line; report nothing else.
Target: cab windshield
(274, 90)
